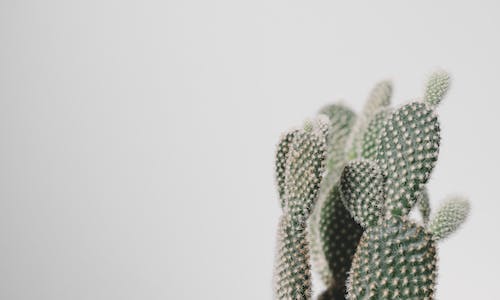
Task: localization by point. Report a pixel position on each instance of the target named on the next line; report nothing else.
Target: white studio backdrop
(137, 138)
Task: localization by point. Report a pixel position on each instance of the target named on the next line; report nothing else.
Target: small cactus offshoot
(346, 186)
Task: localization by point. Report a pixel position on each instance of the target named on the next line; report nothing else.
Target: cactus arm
(361, 186)
(380, 97)
(436, 88)
(452, 213)
(394, 260)
(303, 172)
(371, 136)
(292, 270)
(280, 163)
(342, 120)
(407, 153)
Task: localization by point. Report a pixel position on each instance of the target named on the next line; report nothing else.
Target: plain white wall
(137, 139)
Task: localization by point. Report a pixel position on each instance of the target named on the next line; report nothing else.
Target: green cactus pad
(452, 213)
(370, 140)
(342, 120)
(281, 159)
(437, 87)
(395, 260)
(361, 186)
(303, 173)
(340, 236)
(292, 270)
(303, 152)
(380, 98)
(407, 153)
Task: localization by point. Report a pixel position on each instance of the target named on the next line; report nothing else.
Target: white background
(137, 139)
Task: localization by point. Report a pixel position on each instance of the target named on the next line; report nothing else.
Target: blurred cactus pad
(347, 184)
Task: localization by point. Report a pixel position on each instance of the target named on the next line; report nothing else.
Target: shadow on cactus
(347, 185)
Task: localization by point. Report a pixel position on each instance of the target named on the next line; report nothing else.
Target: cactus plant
(359, 235)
